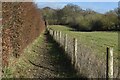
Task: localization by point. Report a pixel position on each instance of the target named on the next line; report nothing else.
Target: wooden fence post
(51, 33)
(74, 56)
(109, 66)
(65, 42)
(57, 36)
(60, 37)
(54, 34)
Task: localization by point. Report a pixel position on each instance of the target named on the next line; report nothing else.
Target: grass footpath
(22, 68)
(42, 59)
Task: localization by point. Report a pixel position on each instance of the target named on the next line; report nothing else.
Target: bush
(87, 20)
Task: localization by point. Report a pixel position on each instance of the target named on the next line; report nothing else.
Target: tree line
(83, 20)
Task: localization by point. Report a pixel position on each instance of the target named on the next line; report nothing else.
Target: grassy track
(96, 40)
(42, 59)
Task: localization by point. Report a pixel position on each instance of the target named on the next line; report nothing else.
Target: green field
(98, 41)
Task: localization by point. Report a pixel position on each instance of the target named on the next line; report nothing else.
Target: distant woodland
(82, 20)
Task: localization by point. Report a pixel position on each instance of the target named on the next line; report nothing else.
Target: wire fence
(83, 57)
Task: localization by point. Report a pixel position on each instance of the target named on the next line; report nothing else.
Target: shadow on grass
(62, 63)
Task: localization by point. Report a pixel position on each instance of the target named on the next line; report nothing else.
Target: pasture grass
(97, 40)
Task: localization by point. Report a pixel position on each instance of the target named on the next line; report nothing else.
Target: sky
(76, 0)
(101, 7)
